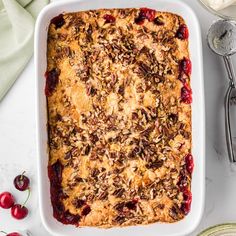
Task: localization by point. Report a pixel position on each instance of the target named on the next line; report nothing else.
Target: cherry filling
(145, 13)
(185, 66)
(186, 94)
(55, 176)
(55, 173)
(109, 18)
(52, 79)
(69, 218)
(58, 21)
(186, 205)
(86, 210)
(182, 33)
(189, 163)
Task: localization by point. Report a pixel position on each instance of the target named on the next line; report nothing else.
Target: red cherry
(189, 163)
(182, 33)
(21, 182)
(6, 200)
(109, 18)
(13, 234)
(185, 66)
(19, 212)
(186, 94)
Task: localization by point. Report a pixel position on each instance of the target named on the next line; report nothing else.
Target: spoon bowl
(221, 37)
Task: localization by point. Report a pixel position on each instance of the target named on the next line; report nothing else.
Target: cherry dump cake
(119, 117)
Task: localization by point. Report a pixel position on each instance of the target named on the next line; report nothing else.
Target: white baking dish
(183, 227)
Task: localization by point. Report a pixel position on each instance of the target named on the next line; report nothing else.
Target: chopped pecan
(87, 150)
(103, 195)
(119, 206)
(93, 138)
(155, 164)
(118, 192)
(173, 117)
(119, 219)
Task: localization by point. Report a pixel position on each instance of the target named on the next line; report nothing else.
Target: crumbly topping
(119, 130)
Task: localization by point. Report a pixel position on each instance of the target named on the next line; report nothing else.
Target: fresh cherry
(109, 18)
(189, 163)
(182, 33)
(13, 234)
(185, 66)
(19, 212)
(10, 234)
(186, 94)
(21, 182)
(6, 200)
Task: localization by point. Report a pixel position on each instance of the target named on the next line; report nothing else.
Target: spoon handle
(228, 125)
(230, 69)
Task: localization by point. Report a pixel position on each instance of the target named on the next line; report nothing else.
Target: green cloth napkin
(17, 18)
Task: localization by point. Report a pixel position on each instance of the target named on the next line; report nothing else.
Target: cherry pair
(7, 200)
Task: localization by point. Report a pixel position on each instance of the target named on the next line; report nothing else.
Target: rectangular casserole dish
(183, 227)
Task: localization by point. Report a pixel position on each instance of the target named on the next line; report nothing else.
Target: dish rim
(38, 54)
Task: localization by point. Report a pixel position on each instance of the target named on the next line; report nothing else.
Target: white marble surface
(18, 145)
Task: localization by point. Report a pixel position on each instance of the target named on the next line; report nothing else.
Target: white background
(18, 144)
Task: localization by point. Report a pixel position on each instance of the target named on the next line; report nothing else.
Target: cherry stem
(3, 232)
(26, 198)
(21, 177)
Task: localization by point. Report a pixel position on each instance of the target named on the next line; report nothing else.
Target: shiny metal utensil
(222, 40)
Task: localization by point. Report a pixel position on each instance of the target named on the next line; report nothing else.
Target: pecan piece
(119, 192)
(155, 164)
(87, 150)
(120, 219)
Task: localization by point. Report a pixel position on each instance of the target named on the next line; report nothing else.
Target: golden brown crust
(117, 123)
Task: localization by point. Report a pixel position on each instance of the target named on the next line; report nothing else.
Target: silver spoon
(222, 40)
